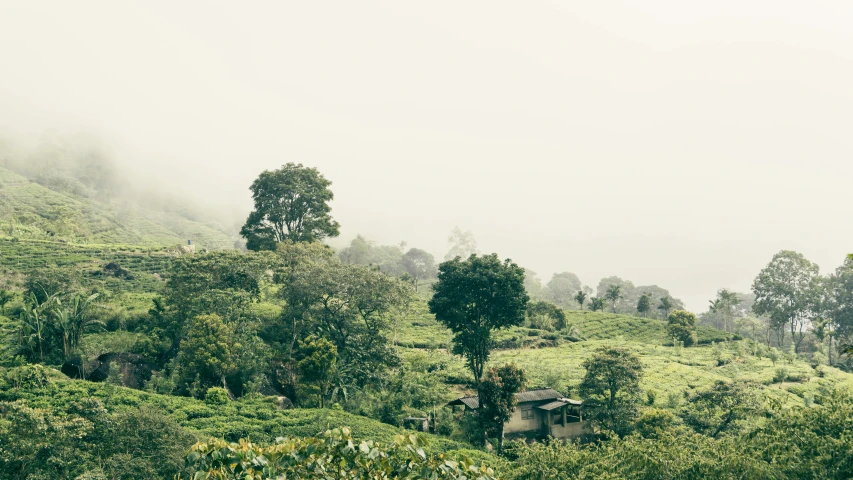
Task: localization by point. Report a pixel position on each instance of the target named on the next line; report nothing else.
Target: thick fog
(669, 142)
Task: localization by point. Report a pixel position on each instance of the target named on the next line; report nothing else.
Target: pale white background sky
(668, 142)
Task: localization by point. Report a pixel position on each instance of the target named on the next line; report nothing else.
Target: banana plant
(74, 321)
(35, 324)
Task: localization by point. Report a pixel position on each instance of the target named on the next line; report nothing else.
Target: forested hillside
(124, 357)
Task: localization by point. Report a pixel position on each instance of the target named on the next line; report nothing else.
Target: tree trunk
(829, 349)
(794, 337)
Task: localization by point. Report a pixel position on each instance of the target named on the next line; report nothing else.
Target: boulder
(73, 368)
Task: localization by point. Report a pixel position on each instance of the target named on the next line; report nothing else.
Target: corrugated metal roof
(470, 402)
(539, 395)
(553, 405)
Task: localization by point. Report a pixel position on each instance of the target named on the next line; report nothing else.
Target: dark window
(526, 413)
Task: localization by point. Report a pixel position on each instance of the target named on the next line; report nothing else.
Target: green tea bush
(216, 396)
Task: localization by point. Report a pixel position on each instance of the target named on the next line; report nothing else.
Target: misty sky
(667, 142)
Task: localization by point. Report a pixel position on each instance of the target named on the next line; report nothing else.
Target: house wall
(517, 424)
(571, 430)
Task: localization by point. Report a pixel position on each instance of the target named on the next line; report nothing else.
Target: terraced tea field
(21, 257)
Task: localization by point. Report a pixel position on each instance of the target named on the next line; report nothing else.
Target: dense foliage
(234, 345)
(334, 455)
(291, 203)
(473, 298)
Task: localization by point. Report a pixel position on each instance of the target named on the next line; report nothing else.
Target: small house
(539, 413)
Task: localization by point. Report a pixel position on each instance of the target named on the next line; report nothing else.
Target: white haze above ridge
(667, 142)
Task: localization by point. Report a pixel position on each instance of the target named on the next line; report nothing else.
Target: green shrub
(216, 396)
(334, 451)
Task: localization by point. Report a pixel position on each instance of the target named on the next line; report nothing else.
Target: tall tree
(533, 286)
(562, 287)
(784, 292)
(462, 244)
(644, 304)
(473, 298)
(611, 389)
(665, 306)
(420, 264)
(207, 353)
(721, 407)
(497, 399)
(628, 293)
(316, 366)
(350, 305)
(389, 258)
(290, 203)
(841, 315)
(724, 306)
(580, 297)
(614, 293)
(681, 325)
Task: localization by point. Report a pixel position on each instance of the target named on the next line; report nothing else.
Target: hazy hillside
(29, 210)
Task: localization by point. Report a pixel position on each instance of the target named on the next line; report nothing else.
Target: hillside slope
(31, 211)
(258, 418)
(554, 359)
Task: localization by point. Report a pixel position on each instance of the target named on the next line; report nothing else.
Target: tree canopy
(497, 399)
(473, 298)
(784, 291)
(611, 389)
(291, 203)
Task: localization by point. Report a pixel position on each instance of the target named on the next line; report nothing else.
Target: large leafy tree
(290, 203)
(317, 365)
(665, 306)
(420, 264)
(644, 305)
(724, 307)
(784, 291)
(361, 251)
(721, 407)
(220, 282)
(208, 353)
(349, 305)
(296, 261)
(841, 313)
(497, 399)
(462, 244)
(681, 325)
(562, 287)
(611, 389)
(473, 298)
(627, 298)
